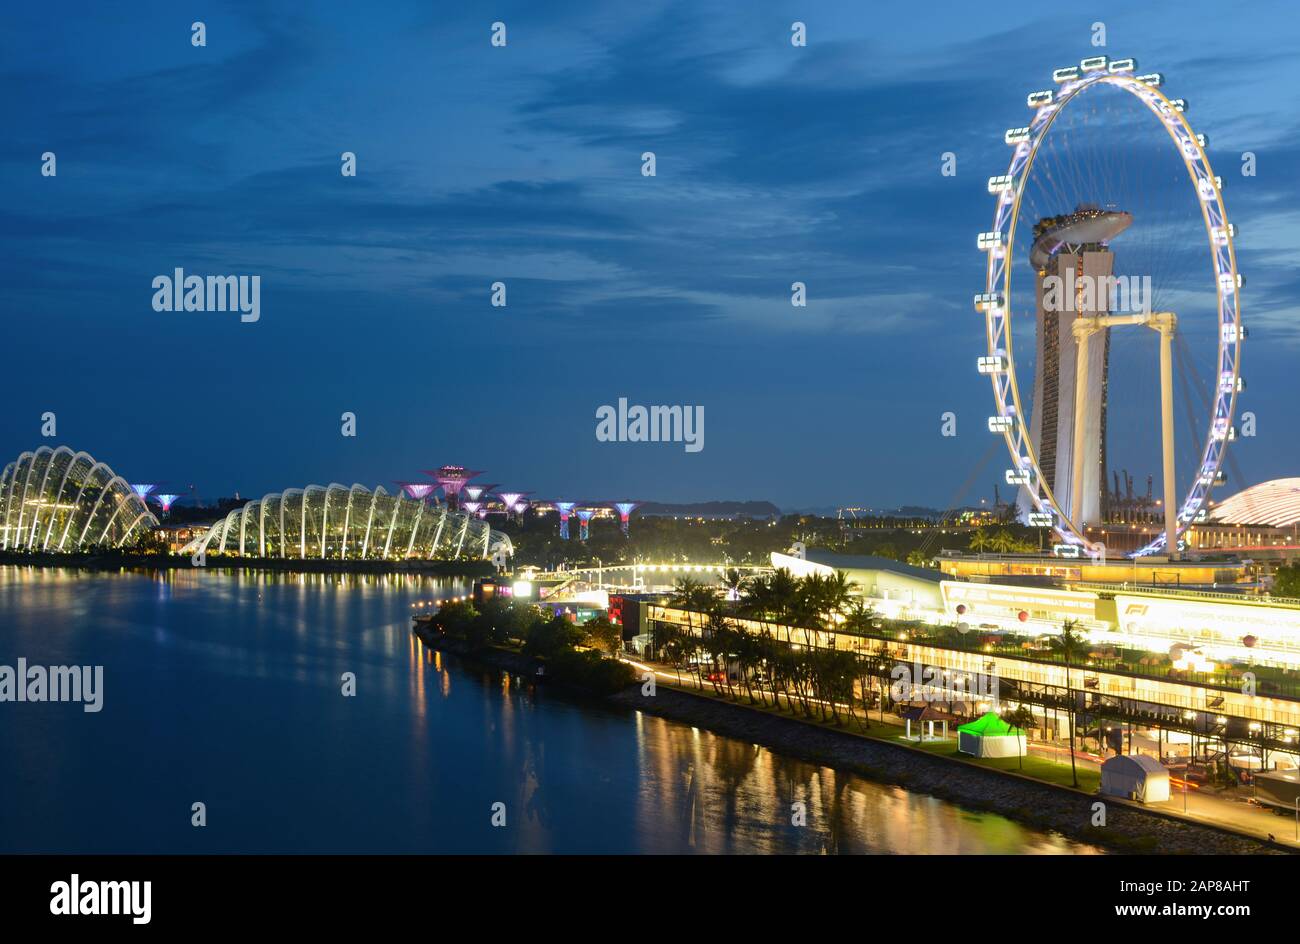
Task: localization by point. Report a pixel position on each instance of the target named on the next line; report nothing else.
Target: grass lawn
(1040, 768)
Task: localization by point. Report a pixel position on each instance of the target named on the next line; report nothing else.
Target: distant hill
(713, 509)
(902, 511)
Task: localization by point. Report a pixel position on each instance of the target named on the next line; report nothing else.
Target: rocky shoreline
(1129, 828)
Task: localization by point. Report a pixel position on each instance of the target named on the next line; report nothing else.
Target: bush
(590, 672)
(1286, 581)
(454, 620)
(551, 638)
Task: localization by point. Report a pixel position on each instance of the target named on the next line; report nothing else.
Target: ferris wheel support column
(1083, 328)
(1080, 416)
(1166, 323)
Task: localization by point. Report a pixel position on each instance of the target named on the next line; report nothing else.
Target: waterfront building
(335, 522)
(64, 501)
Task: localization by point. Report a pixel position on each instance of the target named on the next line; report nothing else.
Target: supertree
(143, 490)
(452, 479)
(584, 520)
(476, 492)
(165, 501)
(565, 508)
(512, 502)
(418, 490)
(625, 509)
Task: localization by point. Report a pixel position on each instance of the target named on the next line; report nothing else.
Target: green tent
(990, 725)
(990, 736)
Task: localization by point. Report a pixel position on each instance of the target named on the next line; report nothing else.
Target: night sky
(522, 164)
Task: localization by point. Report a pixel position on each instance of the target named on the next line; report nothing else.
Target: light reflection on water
(225, 687)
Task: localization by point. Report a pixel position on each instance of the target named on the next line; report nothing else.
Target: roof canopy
(990, 725)
(1135, 764)
(1275, 503)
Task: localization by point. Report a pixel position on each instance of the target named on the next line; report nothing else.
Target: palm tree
(733, 580)
(918, 558)
(1003, 542)
(1068, 645)
(839, 591)
(979, 541)
(1022, 718)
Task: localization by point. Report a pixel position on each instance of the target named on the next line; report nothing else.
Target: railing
(1164, 591)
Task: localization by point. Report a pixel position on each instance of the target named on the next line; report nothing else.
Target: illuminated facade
(339, 523)
(60, 500)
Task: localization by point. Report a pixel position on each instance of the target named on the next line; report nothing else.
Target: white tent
(1135, 776)
(990, 736)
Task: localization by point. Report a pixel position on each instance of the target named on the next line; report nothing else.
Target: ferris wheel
(1044, 505)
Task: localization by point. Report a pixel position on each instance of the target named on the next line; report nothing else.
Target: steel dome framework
(336, 522)
(1275, 504)
(55, 499)
(999, 364)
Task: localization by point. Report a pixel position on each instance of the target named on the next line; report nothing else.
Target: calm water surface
(224, 688)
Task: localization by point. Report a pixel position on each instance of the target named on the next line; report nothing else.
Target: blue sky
(522, 164)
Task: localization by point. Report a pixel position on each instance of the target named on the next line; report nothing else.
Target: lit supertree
(166, 502)
(584, 520)
(473, 507)
(565, 508)
(143, 490)
(418, 490)
(625, 509)
(512, 502)
(452, 478)
(475, 492)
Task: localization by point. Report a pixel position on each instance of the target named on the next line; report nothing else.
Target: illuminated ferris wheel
(1056, 493)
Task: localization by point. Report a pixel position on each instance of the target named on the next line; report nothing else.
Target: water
(224, 688)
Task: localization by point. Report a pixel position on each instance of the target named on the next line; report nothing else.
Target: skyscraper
(1073, 273)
